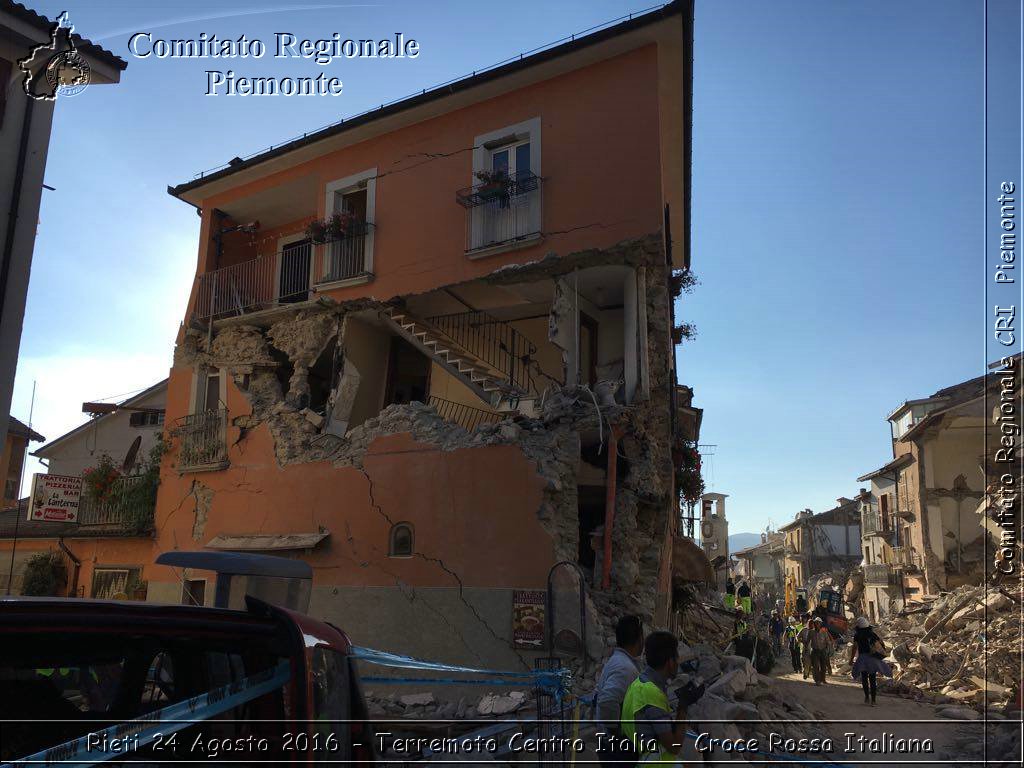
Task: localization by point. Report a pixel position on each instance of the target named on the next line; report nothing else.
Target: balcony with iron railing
(878, 575)
(905, 559)
(874, 523)
(502, 212)
(346, 257)
(286, 277)
(202, 437)
(128, 505)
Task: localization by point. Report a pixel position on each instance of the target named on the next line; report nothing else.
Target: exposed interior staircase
(498, 385)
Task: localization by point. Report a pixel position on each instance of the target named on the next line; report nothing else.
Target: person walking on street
(618, 673)
(804, 641)
(647, 717)
(821, 644)
(867, 658)
(776, 629)
(792, 632)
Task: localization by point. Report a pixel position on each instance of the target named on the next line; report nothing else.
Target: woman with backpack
(869, 651)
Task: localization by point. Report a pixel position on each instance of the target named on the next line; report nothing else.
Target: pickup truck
(89, 681)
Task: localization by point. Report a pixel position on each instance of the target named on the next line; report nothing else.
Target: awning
(271, 542)
(689, 563)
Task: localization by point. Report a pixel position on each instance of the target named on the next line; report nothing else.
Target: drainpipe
(609, 504)
(73, 592)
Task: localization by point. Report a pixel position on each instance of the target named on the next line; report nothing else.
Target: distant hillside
(743, 540)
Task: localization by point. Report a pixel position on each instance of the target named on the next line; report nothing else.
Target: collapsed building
(933, 519)
(435, 368)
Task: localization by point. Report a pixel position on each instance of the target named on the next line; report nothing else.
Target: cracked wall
(485, 503)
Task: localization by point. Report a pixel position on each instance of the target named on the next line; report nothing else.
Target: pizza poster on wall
(528, 618)
(55, 498)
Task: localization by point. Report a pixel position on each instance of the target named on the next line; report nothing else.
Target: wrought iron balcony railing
(872, 523)
(203, 440)
(129, 504)
(282, 278)
(346, 257)
(466, 416)
(904, 558)
(878, 575)
(492, 341)
(502, 211)
(250, 286)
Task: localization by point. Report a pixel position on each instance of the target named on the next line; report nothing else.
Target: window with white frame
(349, 206)
(504, 203)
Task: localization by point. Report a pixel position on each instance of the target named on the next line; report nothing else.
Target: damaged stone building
(429, 350)
(929, 508)
(822, 543)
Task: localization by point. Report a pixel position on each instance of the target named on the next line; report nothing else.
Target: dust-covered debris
(960, 648)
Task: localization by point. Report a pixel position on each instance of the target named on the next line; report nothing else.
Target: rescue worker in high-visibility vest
(647, 717)
(739, 624)
(743, 593)
(730, 594)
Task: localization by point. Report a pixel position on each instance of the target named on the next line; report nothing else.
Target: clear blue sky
(836, 207)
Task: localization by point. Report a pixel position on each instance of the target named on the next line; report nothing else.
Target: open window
(348, 255)
(208, 391)
(504, 203)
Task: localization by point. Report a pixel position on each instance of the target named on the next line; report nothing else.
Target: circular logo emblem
(68, 73)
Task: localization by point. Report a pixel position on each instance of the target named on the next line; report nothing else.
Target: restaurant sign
(55, 498)
(528, 619)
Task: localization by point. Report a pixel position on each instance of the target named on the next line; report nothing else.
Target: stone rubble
(977, 650)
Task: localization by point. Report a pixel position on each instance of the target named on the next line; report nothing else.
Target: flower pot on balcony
(493, 190)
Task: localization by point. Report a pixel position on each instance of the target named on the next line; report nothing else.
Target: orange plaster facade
(612, 129)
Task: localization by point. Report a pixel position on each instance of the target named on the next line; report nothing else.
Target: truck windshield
(59, 686)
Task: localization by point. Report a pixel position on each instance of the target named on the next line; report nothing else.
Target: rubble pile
(751, 701)
(963, 647)
(427, 706)
(738, 703)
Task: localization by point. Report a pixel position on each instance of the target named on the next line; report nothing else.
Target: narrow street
(868, 731)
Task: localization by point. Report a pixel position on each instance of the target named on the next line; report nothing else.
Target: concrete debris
(417, 699)
(751, 701)
(428, 706)
(961, 649)
(493, 704)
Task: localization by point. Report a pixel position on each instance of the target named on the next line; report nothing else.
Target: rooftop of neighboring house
(46, 451)
(43, 24)
(18, 429)
(846, 511)
(953, 395)
(888, 469)
(775, 540)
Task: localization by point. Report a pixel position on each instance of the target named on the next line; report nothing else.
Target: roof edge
(452, 87)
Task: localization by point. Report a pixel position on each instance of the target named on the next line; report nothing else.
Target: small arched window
(401, 540)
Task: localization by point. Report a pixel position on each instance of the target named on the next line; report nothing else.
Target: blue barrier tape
(553, 681)
(385, 659)
(170, 719)
(440, 680)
